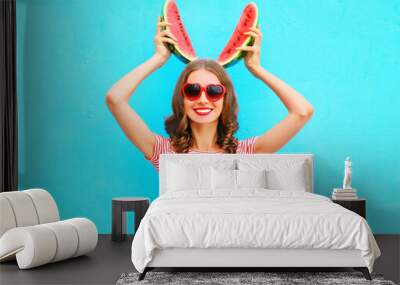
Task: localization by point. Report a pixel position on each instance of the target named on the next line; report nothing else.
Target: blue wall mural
(342, 56)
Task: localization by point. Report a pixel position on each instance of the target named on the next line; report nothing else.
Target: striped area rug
(231, 278)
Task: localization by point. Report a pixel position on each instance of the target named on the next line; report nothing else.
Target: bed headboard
(213, 159)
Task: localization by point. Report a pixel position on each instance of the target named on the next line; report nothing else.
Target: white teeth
(203, 111)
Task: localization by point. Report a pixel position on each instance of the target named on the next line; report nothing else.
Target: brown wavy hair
(177, 125)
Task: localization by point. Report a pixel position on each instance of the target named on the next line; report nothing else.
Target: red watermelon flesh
(184, 49)
(249, 18)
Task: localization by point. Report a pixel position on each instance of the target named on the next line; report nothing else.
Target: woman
(204, 106)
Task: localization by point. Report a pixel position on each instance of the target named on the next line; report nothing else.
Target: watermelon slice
(184, 49)
(249, 18)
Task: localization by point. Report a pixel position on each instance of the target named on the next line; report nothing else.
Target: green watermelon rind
(174, 49)
(177, 52)
(240, 54)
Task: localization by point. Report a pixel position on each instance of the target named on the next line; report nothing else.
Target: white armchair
(32, 233)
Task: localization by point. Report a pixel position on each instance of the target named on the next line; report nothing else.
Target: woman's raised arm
(118, 96)
(300, 110)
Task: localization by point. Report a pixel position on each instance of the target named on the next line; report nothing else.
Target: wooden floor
(111, 259)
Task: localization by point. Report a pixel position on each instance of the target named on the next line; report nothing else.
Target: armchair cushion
(32, 233)
(40, 244)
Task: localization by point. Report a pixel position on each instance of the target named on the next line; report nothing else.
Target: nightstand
(358, 206)
(120, 206)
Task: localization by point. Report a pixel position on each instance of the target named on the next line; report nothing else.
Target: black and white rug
(269, 278)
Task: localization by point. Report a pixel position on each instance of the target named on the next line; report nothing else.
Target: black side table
(356, 205)
(119, 208)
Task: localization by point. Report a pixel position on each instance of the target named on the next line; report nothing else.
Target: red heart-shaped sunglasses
(214, 92)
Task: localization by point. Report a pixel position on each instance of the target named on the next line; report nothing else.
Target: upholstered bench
(31, 231)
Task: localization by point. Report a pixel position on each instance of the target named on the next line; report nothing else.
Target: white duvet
(250, 218)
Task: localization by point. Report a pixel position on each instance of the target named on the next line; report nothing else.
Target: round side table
(120, 206)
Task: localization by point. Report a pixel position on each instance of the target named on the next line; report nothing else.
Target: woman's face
(210, 110)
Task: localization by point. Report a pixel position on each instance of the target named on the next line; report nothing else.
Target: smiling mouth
(203, 111)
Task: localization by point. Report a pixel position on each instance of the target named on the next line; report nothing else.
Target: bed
(247, 210)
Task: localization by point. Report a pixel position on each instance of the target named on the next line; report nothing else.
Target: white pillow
(288, 179)
(223, 179)
(282, 174)
(251, 178)
(183, 177)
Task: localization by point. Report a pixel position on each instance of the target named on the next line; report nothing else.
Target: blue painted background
(343, 56)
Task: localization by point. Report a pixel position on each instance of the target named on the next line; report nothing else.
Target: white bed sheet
(250, 218)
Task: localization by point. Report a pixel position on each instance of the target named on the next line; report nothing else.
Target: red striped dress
(163, 145)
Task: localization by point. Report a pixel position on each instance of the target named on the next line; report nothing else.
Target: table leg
(118, 223)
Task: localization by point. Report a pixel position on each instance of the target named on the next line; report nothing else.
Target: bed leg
(364, 271)
(143, 274)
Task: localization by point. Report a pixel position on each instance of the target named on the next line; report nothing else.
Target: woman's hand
(161, 38)
(252, 57)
